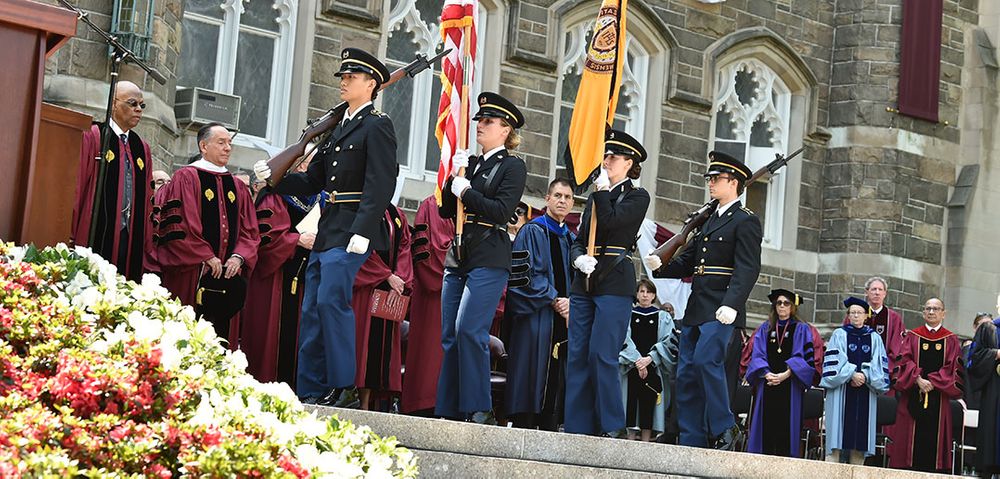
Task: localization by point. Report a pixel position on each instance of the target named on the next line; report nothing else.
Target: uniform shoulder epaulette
(380, 113)
(748, 210)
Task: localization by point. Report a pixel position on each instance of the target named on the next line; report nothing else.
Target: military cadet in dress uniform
(476, 273)
(599, 314)
(724, 258)
(357, 166)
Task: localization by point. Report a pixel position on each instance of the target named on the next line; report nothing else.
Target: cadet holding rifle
(357, 165)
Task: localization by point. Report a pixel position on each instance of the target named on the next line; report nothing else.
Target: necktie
(126, 200)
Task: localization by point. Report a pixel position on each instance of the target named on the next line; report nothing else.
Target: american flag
(458, 17)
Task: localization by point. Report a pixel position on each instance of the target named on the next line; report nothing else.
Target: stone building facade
(874, 192)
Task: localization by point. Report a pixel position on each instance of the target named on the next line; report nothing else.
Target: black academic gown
(985, 377)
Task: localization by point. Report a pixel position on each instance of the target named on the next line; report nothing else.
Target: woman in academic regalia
(478, 266)
(855, 372)
(647, 362)
(780, 370)
(601, 296)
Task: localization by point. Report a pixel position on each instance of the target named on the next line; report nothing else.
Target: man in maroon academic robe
(206, 225)
(929, 377)
(378, 353)
(432, 237)
(123, 213)
(260, 320)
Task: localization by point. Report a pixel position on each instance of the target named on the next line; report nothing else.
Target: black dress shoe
(348, 399)
(310, 399)
(329, 399)
(728, 440)
(619, 434)
(484, 417)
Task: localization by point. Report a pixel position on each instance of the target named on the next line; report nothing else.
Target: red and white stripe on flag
(456, 72)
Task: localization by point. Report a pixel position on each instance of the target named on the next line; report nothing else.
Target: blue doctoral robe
(664, 356)
(529, 309)
(800, 362)
(850, 411)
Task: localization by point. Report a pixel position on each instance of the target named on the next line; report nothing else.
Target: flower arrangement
(102, 377)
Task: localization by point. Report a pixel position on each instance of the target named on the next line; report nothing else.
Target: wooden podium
(30, 196)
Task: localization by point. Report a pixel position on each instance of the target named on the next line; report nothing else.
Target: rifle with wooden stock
(695, 219)
(283, 161)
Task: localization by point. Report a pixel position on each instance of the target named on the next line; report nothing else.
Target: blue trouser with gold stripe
(468, 304)
(702, 392)
(597, 328)
(326, 331)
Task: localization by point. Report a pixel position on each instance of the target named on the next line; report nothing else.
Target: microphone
(162, 80)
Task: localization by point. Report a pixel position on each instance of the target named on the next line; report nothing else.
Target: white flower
(282, 391)
(308, 456)
(311, 426)
(238, 359)
(205, 414)
(17, 254)
(145, 329)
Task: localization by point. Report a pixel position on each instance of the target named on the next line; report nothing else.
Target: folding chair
(812, 408)
(743, 406)
(885, 415)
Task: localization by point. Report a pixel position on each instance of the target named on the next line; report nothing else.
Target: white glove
(653, 262)
(357, 245)
(586, 264)
(725, 315)
(602, 182)
(261, 170)
(460, 159)
(459, 184)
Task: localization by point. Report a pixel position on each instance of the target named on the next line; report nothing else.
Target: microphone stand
(120, 54)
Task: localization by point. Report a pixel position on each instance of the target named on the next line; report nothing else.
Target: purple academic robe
(799, 359)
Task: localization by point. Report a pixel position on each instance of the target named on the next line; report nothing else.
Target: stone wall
(77, 75)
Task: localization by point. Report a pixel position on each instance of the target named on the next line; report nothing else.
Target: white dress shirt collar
(117, 129)
(349, 115)
(722, 208)
(203, 164)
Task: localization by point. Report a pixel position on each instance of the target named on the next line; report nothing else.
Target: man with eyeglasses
(723, 258)
(928, 378)
(123, 218)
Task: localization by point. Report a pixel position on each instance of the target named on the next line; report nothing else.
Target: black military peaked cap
(495, 106)
(356, 60)
(720, 162)
(618, 142)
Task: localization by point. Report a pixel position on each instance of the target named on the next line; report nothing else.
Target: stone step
(476, 451)
(434, 464)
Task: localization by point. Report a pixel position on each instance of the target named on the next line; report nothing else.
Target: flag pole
(591, 239)
(463, 132)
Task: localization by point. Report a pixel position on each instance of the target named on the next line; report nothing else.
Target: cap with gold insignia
(617, 142)
(355, 60)
(719, 163)
(493, 105)
(775, 293)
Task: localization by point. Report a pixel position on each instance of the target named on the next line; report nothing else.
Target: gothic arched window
(751, 123)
